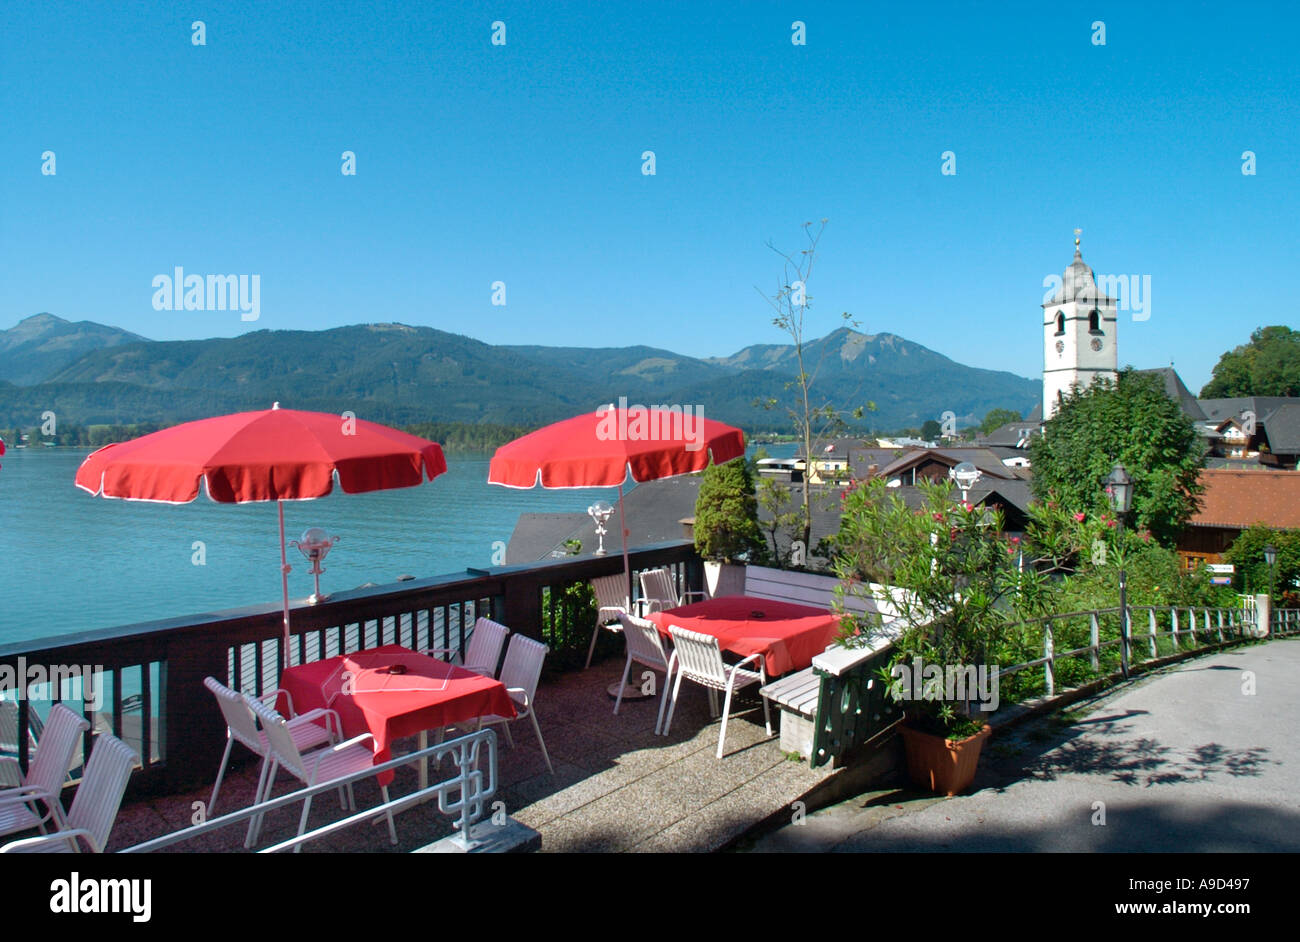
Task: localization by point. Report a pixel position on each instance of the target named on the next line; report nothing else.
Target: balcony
(617, 786)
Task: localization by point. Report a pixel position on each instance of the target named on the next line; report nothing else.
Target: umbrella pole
(622, 529)
(284, 583)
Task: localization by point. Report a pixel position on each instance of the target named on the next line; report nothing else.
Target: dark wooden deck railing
(149, 676)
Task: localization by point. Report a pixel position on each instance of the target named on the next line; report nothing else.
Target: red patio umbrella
(601, 448)
(276, 454)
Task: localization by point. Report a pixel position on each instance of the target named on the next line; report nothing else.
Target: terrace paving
(617, 787)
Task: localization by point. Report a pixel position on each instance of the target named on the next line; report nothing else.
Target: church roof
(1078, 283)
(1179, 393)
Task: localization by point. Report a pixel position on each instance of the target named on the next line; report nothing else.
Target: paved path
(1183, 760)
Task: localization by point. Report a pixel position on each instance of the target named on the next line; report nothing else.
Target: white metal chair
(646, 647)
(315, 768)
(659, 591)
(95, 806)
(698, 658)
(20, 806)
(611, 601)
(485, 644)
(241, 727)
(520, 673)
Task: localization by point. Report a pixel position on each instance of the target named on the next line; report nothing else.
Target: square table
(787, 635)
(369, 697)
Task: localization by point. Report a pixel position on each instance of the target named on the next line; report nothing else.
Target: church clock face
(1060, 346)
(1096, 343)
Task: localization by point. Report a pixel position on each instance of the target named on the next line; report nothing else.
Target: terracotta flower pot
(945, 766)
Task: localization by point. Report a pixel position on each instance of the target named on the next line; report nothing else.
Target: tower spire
(1077, 233)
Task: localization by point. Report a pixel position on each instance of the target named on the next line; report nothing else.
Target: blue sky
(522, 163)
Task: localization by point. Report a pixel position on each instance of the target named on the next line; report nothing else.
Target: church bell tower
(1079, 342)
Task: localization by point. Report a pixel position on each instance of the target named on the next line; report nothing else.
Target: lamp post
(1270, 557)
(1119, 490)
(966, 475)
(600, 512)
(315, 545)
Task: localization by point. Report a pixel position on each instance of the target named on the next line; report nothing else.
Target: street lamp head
(1270, 555)
(1119, 489)
(966, 475)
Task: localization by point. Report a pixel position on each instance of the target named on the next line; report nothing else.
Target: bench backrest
(810, 588)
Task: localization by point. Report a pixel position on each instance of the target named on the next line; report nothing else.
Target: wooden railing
(854, 706)
(1067, 638)
(148, 677)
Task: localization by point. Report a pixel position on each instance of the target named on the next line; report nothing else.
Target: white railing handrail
(473, 791)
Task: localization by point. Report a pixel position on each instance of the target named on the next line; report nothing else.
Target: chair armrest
(522, 693)
(699, 592)
(731, 676)
(654, 605)
(35, 844)
(270, 699)
(24, 795)
(333, 725)
(348, 744)
(454, 652)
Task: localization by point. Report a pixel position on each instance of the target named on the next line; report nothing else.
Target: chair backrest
(611, 593)
(240, 721)
(698, 656)
(485, 644)
(658, 584)
(8, 727)
(278, 738)
(54, 750)
(100, 793)
(644, 643)
(523, 666)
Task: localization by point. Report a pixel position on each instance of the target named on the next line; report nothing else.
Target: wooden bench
(811, 588)
(797, 695)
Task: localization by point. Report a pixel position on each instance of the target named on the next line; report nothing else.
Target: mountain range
(90, 373)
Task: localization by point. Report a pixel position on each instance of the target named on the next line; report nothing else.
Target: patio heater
(1119, 491)
(1270, 557)
(315, 544)
(600, 512)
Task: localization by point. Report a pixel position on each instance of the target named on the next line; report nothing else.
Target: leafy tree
(930, 430)
(1131, 421)
(726, 513)
(994, 419)
(1247, 557)
(1267, 366)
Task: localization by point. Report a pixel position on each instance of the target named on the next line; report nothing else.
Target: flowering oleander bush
(960, 579)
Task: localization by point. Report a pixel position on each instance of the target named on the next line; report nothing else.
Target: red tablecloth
(787, 635)
(370, 698)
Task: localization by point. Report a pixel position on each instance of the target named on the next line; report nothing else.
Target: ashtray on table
(756, 614)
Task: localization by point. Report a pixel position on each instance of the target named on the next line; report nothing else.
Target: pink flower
(968, 506)
(1015, 539)
(1079, 517)
(1111, 524)
(937, 516)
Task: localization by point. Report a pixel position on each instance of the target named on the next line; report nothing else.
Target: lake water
(72, 562)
